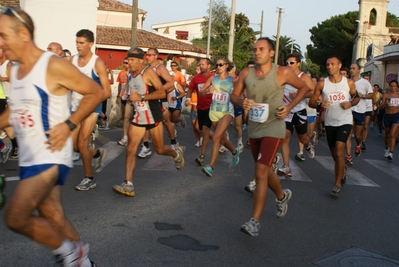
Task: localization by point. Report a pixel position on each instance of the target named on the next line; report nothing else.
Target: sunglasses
(290, 62)
(125, 62)
(173, 65)
(220, 64)
(11, 12)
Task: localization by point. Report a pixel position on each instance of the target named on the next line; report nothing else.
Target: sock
(14, 142)
(90, 177)
(66, 247)
(125, 137)
(173, 141)
(300, 152)
(240, 141)
(147, 144)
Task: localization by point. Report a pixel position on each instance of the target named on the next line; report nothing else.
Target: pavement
(184, 218)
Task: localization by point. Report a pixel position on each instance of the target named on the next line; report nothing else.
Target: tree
(284, 49)
(335, 36)
(309, 67)
(244, 37)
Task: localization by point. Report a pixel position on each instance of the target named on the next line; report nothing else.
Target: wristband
(70, 124)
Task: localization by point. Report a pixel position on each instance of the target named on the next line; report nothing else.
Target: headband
(135, 55)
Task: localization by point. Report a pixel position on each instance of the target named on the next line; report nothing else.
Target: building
(185, 30)
(371, 50)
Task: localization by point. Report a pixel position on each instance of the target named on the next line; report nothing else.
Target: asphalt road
(184, 218)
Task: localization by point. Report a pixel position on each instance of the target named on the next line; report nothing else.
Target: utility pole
(261, 24)
(135, 15)
(232, 29)
(208, 46)
(280, 13)
(292, 45)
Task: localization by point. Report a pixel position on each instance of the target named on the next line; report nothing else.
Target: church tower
(372, 32)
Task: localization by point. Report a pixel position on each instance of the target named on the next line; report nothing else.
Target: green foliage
(309, 67)
(244, 36)
(285, 45)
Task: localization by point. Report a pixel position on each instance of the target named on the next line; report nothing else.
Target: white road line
(113, 151)
(386, 166)
(353, 177)
(160, 163)
(297, 173)
(13, 178)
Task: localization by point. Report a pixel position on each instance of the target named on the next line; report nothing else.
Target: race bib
(140, 106)
(259, 112)
(220, 98)
(336, 97)
(394, 102)
(200, 86)
(23, 123)
(289, 117)
(172, 103)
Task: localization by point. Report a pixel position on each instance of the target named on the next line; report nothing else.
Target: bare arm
(316, 94)
(103, 76)
(4, 118)
(169, 82)
(207, 87)
(240, 89)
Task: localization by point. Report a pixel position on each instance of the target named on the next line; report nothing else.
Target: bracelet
(71, 125)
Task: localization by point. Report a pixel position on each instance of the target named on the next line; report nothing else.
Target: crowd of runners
(52, 104)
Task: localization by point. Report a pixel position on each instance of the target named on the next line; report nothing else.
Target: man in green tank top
(266, 127)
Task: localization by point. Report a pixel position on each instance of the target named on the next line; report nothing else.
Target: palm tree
(287, 46)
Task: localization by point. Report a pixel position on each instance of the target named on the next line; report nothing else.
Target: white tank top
(89, 71)
(337, 93)
(33, 111)
(3, 73)
(287, 99)
(364, 87)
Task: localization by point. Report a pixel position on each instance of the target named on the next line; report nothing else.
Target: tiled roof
(113, 5)
(14, 3)
(145, 39)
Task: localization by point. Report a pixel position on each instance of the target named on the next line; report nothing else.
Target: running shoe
(126, 188)
(244, 127)
(343, 181)
(86, 184)
(282, 205)
(93, 264)
(315, 140)
(92, 144)
(386, 153)
(275, 163)
(179, 160)
(99, 162)
(222, 149)
(95, 130)
(250, 187)
(348, 160)
(5, 153)
(251, 227)
(174, 146)
(390, 156)
(310, 150)
(300, 157)
(182, 121)
(208, 170)
(335, 191)
(285, 170)
(2, 196)
(197, 144)
(358, 151)
(3, 135)
(14, 154)
(236, 156)
(200, 160)
(145, 152)
(75, 257)
(104, 127)
(76, 156)
(241, 147)
(122, 142)
(363, 146)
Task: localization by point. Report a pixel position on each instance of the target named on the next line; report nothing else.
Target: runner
(92, 66)
(146, 92)
(266, 124)
(339, 95)
(123, 99)
(40, 84)
(221, 112)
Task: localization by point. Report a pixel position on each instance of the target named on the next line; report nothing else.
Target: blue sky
(298, 17)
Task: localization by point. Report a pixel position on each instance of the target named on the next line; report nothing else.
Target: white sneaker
(3, 135)
(386, 154)
(241, 147)
(122, 142)
(222, 149)
(197, 144)
(251, 187)
(76, 156)
(145, 152)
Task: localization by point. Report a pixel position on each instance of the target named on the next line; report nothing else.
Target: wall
(59, 20)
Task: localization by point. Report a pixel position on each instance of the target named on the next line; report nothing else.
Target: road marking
(386, 166)
(160, 162)
(353, 177)
(12, 178)
(297, 173)
(113, 151)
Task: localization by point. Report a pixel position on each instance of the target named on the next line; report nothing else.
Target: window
(182, 35)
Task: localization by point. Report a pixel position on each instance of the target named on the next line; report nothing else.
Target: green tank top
(2, 94)
(265, 90)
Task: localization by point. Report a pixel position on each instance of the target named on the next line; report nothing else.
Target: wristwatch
(142, 97)
(71, 125)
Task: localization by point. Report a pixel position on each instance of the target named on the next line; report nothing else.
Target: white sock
(66, 247)
(125, 137)
(86, 263)
(240, 141)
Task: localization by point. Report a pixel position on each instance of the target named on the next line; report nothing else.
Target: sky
(297, 19)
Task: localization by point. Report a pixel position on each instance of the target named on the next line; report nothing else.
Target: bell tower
(372, 33)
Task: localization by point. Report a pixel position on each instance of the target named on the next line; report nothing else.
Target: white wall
(60, 20)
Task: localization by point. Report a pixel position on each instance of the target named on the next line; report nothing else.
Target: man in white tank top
(339, 95)
(92, 66)
(40, 84)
